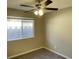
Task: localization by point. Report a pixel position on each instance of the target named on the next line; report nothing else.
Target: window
(19, 29)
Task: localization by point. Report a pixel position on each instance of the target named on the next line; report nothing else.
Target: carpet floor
(40, 54)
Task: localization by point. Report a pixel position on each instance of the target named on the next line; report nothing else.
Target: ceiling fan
(39, 6)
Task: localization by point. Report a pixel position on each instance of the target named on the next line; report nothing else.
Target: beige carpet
(40, 54)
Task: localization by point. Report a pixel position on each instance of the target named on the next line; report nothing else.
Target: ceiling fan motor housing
(38, 5)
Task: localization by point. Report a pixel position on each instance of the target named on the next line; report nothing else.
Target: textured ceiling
(56, 3)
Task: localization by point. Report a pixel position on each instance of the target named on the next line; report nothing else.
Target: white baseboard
(24, 52)
(38, 49)
(57, 53)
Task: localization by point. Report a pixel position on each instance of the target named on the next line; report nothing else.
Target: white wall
(58, 31)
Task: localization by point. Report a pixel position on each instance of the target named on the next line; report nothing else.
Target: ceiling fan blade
(51, 8)
(48, 2)
(25, 5)
(29, 11)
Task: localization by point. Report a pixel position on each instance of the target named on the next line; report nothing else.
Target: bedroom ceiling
(56, 4)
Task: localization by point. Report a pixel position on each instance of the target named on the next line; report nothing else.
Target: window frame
(23, 18)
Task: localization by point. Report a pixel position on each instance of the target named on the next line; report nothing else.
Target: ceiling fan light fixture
(39, 12)
(36, 12)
